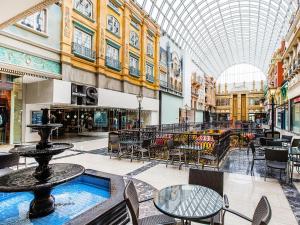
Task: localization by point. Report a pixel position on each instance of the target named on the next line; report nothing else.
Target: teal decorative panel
(29, 61)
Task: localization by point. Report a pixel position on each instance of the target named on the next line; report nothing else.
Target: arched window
(113, 25)
(134, 39)
(37, 21)
(85, 7)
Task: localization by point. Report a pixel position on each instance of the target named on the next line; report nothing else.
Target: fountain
(41, 180)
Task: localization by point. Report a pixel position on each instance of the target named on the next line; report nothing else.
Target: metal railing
(83, 51)
(113, 63)
(134, 71)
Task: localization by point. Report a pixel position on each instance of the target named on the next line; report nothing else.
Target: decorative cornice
(28, 12)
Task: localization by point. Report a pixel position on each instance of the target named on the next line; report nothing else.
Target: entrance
(10, 109)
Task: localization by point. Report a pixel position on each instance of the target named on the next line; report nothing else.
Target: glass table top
(189, 202)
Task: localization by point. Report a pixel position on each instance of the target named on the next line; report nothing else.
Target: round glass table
(188, 202)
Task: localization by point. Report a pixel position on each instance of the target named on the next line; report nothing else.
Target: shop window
(112, 59)
(150, 49)
(82, 44)
(149, 73)
(113, 25)
(295, 120)
(85, 7)
(37, 21)
(134, 66)
(134, 39)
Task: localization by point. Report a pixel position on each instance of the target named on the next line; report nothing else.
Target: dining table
(188, 202)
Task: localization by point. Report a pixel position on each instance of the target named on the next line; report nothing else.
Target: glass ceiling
(222, 33)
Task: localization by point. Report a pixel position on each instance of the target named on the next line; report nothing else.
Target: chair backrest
(132, 201)
(114, 141)
(276, 155)
(287, 137)
(268, 134)
(170, 144)
(296, 142)
(9, 160)
(262, 141)
(263, 213)
(146, 143)
(273, 143)
(207, 178)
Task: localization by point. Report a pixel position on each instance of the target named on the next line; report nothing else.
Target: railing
(112, 63)
(83, 51)
(163, 83)
(134, 71)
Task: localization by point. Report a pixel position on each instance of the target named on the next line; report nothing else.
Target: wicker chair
(213, 180)
(256, 155)
(262, 214)
(173, 153)
(132, 202)
(276, 159)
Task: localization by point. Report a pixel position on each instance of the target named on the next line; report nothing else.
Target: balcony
(112, 63)
(163, 83)
(134, 71)
(83, 52)
(149, 77)
(168, 87)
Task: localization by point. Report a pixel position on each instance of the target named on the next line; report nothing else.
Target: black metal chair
(9, 160)
(213, 180)
(276, 159)
(256, 155)
(173, 153)
(140, 150)
(114, 146)
(287, 137)
(295, 142)
(262, 214)
(273, 143)
(268, 134)
(133, 202)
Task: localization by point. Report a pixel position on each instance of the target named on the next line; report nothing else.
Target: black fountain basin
(23, 180)
(32, 151)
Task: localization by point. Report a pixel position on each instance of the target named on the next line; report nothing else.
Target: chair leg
(266, 172)
(252, 166)
(280, 174)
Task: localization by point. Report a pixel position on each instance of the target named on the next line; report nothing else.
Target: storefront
(295, 114)
(10, 109)
(169, 108)
(87, 110)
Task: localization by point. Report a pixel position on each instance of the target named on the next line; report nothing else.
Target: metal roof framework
(222, 33)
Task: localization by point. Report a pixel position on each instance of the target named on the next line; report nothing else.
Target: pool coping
(113, 209)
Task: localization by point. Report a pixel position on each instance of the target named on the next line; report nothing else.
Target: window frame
(152, 66)
(81, 13)
(131, 55)
(117, 47)
(33, 29)
(116, 34)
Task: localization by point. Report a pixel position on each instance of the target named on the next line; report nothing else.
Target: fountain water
(41, 179)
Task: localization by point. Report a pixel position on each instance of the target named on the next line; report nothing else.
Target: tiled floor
(243, 190)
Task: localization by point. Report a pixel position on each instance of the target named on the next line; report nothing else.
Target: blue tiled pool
(71, 199)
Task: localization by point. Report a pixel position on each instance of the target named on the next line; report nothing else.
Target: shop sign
(84, 95)
(296, 100)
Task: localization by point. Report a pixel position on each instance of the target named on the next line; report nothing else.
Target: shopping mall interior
(138, 112)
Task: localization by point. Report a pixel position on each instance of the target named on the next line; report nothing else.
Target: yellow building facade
(110, 44)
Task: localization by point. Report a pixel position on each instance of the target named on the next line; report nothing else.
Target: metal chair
(262, 214)
(213, 180)
(276, 159)
(295, 142)
(273, 143)
(287, 137)
(256, 155)
(9, 160)
(114, 145)
(173, 153)
(268, 134)
(133, 202)
(140, 150)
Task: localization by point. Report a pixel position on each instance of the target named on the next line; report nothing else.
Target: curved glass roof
(222, 33)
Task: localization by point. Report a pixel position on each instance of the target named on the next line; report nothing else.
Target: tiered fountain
(62, 193)
(41, 179)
